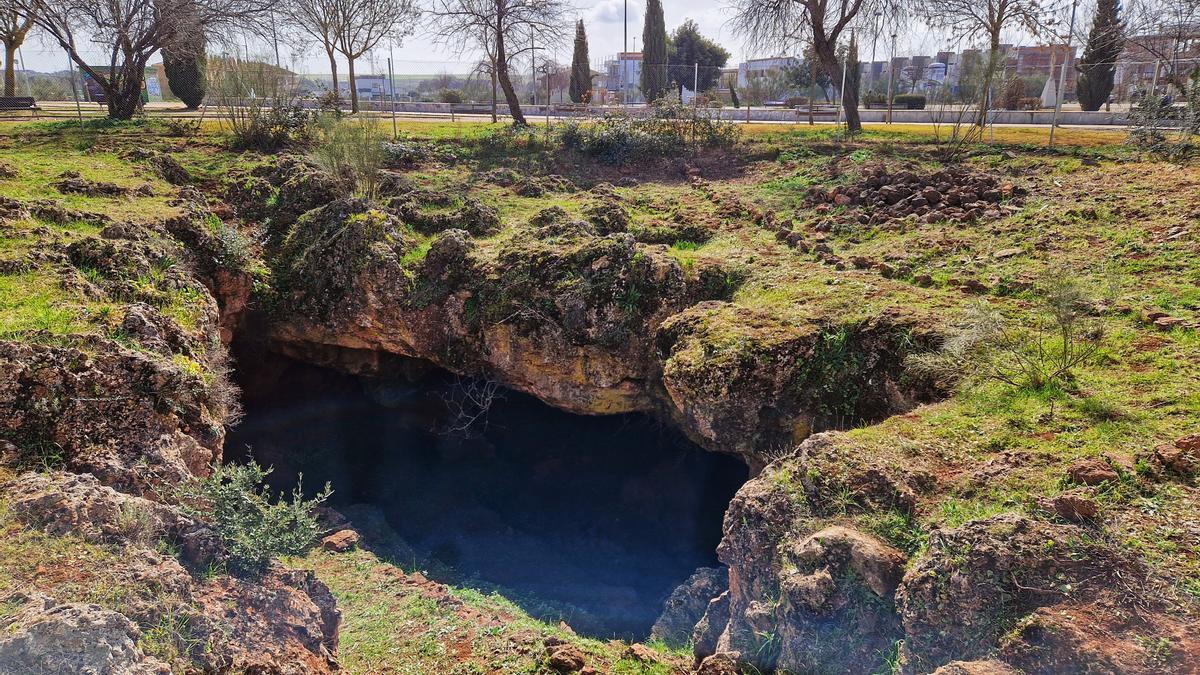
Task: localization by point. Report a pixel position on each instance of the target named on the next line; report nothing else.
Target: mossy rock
(323, 254)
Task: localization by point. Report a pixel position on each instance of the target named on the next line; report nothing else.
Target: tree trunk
(850, 105)
(510, 94)
(124, 95)
(989, 74)
(10, 70)
(333, 69)
(353, 86)
(493, 91)
(826, 53)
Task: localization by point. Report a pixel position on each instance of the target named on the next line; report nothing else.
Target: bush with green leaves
(1165, 127)
(254, 528)
(909, 101)
(670, 129)
(1041, 351)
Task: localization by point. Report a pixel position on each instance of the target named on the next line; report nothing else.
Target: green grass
(395, 627)
(33, 302)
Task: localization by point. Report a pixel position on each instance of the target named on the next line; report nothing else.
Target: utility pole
(392, 90)
(695, 82)
(891, 76)
(1062, 74)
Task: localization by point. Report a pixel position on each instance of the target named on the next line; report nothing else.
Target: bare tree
(131, 31)
(971, 20)
(1159, 31)
(774, 24)
(321, 21)
(508, 29)
(14, 26)
(366, 23)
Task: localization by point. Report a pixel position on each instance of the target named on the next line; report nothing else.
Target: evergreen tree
(186, 71)
(581, 70)
(1098, 65)
(654, 52)
(688, 48)
(733, 97)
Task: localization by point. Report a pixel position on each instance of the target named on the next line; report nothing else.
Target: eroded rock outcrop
(77, 504)
(800, 598)
(569, 320)
(131, 420)
(687, 604)
(976, 579)
(46, 636)
(590, 320)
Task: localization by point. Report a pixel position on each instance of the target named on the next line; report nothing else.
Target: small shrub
(330, 104)
(1039, 353)
(909, 101)
(182, 127)
(269, 128)
(351, 151)
(670, 129)
(1160, 126)
(450, 96)
(254, 528)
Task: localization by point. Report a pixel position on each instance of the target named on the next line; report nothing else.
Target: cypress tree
(1098, 65)
(654, 52)
(733, 97)
(186, 70)
(581, 71)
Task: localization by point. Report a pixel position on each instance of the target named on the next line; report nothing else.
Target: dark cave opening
(592, 520)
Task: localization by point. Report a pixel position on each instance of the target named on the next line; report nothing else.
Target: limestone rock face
(688, 603)
(64, 503)
(592, 324)
(44, 636)
(130, 420)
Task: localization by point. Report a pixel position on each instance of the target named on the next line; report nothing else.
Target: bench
(19, 104)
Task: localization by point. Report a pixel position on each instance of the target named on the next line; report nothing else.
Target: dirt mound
(71, 182)
(987, 574)
(431, 211)
(955, 194)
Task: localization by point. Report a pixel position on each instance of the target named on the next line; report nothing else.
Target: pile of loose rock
(951, 194)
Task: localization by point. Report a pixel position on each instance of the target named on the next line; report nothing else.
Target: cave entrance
(592, 520)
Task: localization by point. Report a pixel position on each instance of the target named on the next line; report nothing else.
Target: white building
(370, 87)
(622, 78)
(756, 68)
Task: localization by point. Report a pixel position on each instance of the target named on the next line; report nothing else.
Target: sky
(419, 54)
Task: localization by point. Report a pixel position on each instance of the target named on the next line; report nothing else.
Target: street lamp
(891, 76)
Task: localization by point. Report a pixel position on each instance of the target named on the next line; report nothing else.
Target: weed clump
(1041, 353)
(670, 130)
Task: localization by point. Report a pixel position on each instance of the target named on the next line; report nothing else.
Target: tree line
(508, 31)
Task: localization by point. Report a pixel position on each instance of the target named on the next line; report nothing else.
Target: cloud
(613, 11)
